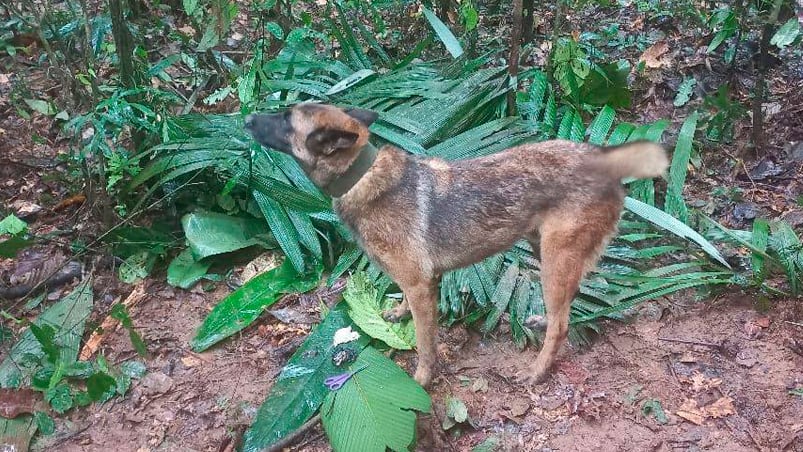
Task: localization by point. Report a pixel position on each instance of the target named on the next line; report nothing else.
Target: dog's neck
(344, 182)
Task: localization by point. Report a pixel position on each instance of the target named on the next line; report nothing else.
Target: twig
(110, 323)
(289, 439)
(686, 341)
(794, 323)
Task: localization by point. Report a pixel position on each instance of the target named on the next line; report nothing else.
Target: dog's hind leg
(570, 246)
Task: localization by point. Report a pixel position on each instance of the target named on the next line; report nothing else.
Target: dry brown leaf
(763, 322)
(721, 408)
(700, 383)
(697, 415)
(652, 56)
(691, 412)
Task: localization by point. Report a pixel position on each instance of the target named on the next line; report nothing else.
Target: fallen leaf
(190, 361)
(187, 30)
(652, 56)
(262, 263)
(700, 383)
(519, 407)
(480, 385)
(691, 412)
(721, 408)
(687, 357)
(763, 322)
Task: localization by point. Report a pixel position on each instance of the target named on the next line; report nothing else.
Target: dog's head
(318, 136)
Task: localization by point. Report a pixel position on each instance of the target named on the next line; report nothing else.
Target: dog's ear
(366, 117)
(326, 141)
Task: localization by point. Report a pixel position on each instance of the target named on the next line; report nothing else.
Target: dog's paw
(536, 322)
(396, 314)
(531, 376)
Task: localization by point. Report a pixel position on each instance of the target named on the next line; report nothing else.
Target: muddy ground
(720, 363)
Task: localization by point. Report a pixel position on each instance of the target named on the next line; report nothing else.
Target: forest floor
(682, 375)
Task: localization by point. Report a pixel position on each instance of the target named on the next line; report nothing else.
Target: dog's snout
(249, 121)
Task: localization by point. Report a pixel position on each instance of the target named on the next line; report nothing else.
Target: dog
(417, 217)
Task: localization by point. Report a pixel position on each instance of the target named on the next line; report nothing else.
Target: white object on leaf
(345, 335)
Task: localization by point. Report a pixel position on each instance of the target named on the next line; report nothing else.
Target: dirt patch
(593, 401)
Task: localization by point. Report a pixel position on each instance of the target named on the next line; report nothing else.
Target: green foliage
(16, 229)
(244, 305)
(365, 309)
(725, 113)
(456, 413)
(652, 407)
(685, 91)
(571, 66)
(209, 234)
(184, 271)
(120, 312)
(674, 204)
(373, 411)
(444, 34)
(45, 358)
(299, 390)
(787, 34)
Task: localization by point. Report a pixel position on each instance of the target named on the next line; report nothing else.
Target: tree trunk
(527, 21)
(513, 64)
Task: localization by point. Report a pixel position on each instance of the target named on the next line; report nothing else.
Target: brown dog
(418, 217)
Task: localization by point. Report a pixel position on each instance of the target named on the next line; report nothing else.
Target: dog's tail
(639, 159)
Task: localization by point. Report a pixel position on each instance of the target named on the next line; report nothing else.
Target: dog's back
(460, 212)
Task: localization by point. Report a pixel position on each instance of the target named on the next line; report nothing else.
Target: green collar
(358, 168)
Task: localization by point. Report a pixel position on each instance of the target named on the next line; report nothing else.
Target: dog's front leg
(423, 301)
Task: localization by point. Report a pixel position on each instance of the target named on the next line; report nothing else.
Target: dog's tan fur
(418, 217)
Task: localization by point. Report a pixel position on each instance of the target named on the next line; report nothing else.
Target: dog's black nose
(249, 121)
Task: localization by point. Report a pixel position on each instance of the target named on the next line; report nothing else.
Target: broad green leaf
(67, 318)
(211, 233)
(374, 410)
(134, 369)
(244, 305)
(456, 413)
(787, 33)
(364, 308)
(100, 386)
(60, 398)
(673, 225)
(16, 434)
(210, 37)
(12, 225)
(9, 248)
(44, 423)
(41, 106)
(674, 204)
(136, 267)
(444, 34)
(184, 271)
(299, 390)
